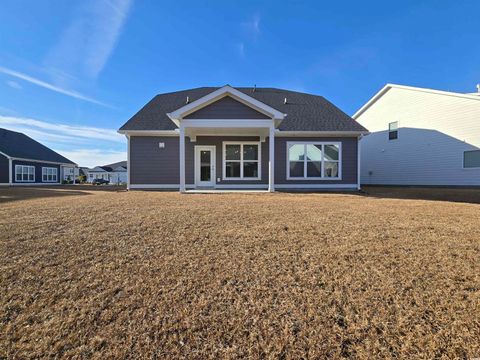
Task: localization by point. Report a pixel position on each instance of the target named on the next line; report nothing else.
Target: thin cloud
(241, 49)
(88, 42)
(13, 84)
(93, 157)
(253, 26)
(55, 132)
(49, 86)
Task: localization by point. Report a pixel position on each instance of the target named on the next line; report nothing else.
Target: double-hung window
(24, 173)
(49, 174)
(241, 160)
(313, 160)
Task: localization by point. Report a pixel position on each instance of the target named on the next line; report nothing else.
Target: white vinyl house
(420, 137)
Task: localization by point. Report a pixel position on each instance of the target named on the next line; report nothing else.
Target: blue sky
(72, 72)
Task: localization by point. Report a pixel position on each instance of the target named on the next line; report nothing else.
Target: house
(242, 138)
(24, 161)
(115, 173)
(421, 137)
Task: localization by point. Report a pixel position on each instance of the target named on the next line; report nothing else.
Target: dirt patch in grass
(157, 275)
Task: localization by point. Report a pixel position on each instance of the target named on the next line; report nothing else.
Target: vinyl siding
(152, 165)
(434, 131)
(3, 169)
(226, 108)
(38, 171)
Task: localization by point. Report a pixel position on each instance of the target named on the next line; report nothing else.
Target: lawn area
(86, 272)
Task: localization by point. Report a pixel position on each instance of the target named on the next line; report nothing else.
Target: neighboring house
(116, 173)
(71, 173)
(421, 137)
(242, 138)
(24, 161)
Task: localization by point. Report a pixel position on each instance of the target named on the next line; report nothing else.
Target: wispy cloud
(13, 84)
(49, 86)
(94, 157)
(252, 26)
(87, 146)
(91, 37)
(241, 49)
(48, 130)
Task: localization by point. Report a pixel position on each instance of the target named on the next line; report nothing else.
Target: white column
(74, 177)
(271, 160)
(128, 163)
(182, 159)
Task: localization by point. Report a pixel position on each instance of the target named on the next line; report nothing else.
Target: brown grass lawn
(91, 273)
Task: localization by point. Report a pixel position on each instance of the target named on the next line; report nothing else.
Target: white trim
(241, 161)
(45, 162)
(56, 174)
(213, 172)
(316, 186)
(10, 170)
(271, 160)
(247, 186)
(358, 161)
(279, 133)
(218, 94)
(28, 173)
(128, 161)
(7, 156)
(150, 132)
(322, 177)
(227, 123)
(387, 87)
(160, 186)
(242, 186)
(35, 184)
(182, 159)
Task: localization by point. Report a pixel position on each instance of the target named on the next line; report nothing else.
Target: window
(393, 130)
(471, 159)
(24, 173)
(241, 160)
(313, 160)
(49, 174)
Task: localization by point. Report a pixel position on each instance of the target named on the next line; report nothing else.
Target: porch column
(271, 158)
(10, 171)
(182, 159)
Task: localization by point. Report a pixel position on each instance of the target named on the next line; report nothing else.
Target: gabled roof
(305, 112)
(18, 145)
(117, 164)
(387, 87)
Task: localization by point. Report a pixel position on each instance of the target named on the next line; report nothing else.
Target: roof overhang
(279, 133)
(387, 87)
(178, 115)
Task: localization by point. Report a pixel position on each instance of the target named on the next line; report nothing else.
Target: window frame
(463, 161)
(27, 173)
(241, 161)
(305, 161)
(45, 170)
(392, 131)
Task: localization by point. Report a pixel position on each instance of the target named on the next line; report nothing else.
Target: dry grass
(155, 275)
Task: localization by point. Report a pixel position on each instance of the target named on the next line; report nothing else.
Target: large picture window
(313, 160)
(49, 174)
(24, 173)
(241, 160)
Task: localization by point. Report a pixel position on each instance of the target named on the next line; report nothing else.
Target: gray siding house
(242, 138)
(24, 161)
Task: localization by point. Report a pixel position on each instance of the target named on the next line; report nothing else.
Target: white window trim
(241, 161)
(22, 166)
(44, 169)
(323, 177)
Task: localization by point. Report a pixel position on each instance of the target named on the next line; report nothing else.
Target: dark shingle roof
(115, 165)
(305, 112)
(19, 145)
